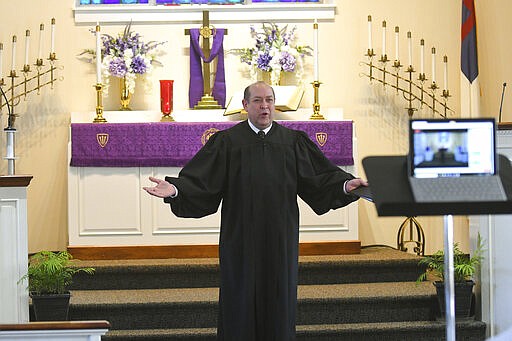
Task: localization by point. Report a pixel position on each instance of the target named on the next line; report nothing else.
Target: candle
(384, 38)
(433, 65)
(40, 50)
(98, 54)
(397, 55)
(369, 32)
(315, 46)
(52, 49)
(422, 56)
(27, 42)
(13, 60)
(409, 47)
(166, 100)
(445, 60)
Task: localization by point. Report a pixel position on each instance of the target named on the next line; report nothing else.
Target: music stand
(388, 178)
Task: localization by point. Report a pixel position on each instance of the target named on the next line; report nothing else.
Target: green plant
(464, 266)
(51, 272)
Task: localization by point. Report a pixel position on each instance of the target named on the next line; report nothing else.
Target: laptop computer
(454, 160)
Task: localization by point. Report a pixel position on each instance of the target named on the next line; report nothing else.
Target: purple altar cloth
(172, 144)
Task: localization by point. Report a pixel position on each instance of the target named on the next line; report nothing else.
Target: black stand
(392, 195)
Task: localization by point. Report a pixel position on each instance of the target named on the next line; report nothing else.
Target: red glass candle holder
(166, 104)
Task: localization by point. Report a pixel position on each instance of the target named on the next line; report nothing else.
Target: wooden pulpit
(13, 248)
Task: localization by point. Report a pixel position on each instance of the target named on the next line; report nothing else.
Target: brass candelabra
(30, 80)
(416, 92)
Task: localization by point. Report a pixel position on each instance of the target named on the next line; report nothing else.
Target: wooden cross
(206, 31)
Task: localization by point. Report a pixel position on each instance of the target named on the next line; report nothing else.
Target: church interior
(99, 212)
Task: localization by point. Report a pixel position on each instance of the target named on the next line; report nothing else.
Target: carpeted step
(372, 265)
(197, 308)
(368, 296)
(392, 331)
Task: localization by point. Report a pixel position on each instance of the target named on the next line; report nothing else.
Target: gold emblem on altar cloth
(321, 138)
(207, 133)
(102, 139)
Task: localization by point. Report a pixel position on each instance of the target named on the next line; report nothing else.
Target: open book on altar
(288, 98)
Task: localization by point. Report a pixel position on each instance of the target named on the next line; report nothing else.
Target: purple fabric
(172, 144)
(196, 86)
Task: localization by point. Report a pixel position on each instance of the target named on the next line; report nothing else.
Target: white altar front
(108, 207)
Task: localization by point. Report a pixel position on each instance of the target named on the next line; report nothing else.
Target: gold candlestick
(99, 104)
(445, 95)
(316, 105)
(434, 87)
(409, 96)
(12, 116)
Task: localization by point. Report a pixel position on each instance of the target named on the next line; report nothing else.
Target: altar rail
(172, 144)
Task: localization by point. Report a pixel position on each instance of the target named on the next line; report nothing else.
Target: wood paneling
(198, 251)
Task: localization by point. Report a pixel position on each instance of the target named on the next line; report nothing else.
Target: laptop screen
(451, 147)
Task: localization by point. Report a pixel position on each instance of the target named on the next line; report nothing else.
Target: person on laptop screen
(454, 160)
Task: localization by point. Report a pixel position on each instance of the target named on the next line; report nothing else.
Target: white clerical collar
(256, 130)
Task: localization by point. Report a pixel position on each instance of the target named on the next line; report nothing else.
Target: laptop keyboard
(461, 189)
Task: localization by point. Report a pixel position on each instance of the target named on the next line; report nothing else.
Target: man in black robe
(257, 176)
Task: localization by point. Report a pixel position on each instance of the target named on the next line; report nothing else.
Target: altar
(109, 163)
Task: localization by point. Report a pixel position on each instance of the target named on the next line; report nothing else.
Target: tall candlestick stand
(316, 105)
(21, 88)
(99, 104)
(415, 91)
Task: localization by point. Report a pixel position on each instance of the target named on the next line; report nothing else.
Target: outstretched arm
(162, 189)
(355, 183)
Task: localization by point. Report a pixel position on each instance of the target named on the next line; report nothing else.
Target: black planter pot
(463, 296)
(51, 307)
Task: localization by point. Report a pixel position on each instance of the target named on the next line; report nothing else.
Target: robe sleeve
(201, 181)
(320, 182)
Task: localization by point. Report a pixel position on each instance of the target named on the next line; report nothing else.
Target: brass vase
(266, 76)
(126, 96)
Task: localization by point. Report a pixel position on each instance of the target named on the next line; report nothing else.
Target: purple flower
(287, 61)
(117, 67)
(263, 61)
(138, 65)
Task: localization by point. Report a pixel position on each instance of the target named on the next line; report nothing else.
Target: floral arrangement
(126, 56)
(274, 51)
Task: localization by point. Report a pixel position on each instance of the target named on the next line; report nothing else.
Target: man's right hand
(162, 189)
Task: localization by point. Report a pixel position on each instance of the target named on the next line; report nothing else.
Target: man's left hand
(355, 183)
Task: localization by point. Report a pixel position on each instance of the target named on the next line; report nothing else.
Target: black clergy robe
(258, 181)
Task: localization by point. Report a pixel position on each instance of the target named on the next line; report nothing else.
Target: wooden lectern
(13, 248)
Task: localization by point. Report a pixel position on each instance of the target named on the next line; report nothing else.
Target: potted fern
(465, 267)
(49, 276)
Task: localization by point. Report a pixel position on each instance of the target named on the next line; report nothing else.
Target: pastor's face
(260, 107)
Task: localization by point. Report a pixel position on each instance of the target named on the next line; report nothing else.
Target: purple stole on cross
(196, 87)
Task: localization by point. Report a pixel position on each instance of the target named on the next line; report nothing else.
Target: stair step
(371, 265)
(414, 331)
(369, 296)
(197, 308)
